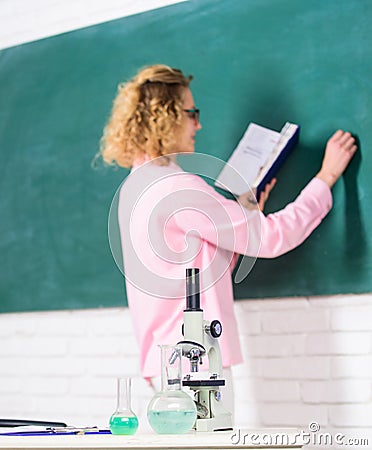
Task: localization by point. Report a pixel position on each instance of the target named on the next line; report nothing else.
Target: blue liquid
(171, 422)
(123, 424)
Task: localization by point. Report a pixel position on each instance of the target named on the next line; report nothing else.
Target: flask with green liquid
(123, 420)
(171, 411)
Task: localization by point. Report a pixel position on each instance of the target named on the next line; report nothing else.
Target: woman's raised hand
(338, 153)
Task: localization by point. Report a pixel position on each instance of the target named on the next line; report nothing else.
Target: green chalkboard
(265, 61)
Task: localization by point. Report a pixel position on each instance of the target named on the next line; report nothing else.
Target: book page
(247, 159)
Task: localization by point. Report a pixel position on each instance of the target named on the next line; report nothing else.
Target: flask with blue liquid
(171, 411)
(123, 420)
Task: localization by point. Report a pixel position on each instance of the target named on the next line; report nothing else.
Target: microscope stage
(203, 383)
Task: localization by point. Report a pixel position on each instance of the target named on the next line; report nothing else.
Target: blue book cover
(257, 158)
(289, 138)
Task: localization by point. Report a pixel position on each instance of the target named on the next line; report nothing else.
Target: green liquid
(171, 422)
(123, 424)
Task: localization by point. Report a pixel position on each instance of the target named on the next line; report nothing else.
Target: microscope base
(213, 424)
(218, 417)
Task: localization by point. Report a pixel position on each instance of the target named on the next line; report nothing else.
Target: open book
(257, 158)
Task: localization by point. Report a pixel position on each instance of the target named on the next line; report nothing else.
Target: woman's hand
(338, 153)
(248, 200)
(266, 193)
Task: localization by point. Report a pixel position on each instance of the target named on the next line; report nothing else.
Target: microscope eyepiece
(192, 290)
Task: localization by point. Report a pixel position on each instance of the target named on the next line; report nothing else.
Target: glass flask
(123, 420)
(171, 411)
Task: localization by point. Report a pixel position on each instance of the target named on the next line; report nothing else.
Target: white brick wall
(64, 364)
(305, 360)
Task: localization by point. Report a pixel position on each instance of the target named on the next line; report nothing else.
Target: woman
(171, 220)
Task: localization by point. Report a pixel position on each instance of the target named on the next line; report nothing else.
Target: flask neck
(123, 394)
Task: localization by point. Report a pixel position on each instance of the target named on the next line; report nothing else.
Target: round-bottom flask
(171, 411)
(123, 420)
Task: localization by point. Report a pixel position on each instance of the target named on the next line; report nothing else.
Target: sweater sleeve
(288, 228)
(226, 224)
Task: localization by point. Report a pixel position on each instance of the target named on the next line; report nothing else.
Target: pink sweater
(171, 220)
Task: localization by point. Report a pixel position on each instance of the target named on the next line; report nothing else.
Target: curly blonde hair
(146, 114)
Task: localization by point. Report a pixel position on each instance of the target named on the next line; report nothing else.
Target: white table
(237, 439)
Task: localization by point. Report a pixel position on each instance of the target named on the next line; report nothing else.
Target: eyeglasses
(194, 114)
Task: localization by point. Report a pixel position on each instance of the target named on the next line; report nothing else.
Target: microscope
(201, 340)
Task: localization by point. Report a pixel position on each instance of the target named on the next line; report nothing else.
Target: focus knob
(215, 328)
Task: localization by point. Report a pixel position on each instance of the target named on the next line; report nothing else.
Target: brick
(118, 322)
(251, 368)
(45, 386)
(82, 406)
(94, 387)
(61, 324)
(352, 319)
(8, 345)
(13, 366)
(9, 385)
(113, 367)
(271, 304)
(88, 346)
(57, 366)
(292, 414)
(357, 415)
(246, 416)
(339, 343)
(277, 391)
(16, 406)
(295, 321)
(12, 325)
(340, 301)
(278, 345)
(245, 390)
(297, 368)
(128, 346)
(336, 391)
(353, 366)
(36, 346)
(249, 322)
